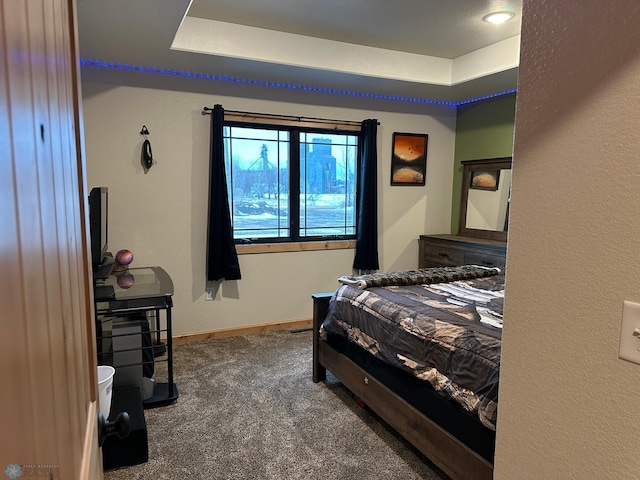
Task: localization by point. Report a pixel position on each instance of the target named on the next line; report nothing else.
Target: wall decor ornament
(409, 159)
(146, 156)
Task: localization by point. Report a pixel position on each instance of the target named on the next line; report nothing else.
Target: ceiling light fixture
(498, 18)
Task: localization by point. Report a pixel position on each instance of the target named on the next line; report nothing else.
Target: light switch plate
(630, 332)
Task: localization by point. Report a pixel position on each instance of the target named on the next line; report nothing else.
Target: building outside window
(291, 184)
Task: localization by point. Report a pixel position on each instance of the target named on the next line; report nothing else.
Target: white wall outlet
(208, 295)
(630, 332)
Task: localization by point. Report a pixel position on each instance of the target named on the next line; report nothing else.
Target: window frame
(324, 242)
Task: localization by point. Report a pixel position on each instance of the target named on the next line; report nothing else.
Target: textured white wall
(568, 405)
(161, 216)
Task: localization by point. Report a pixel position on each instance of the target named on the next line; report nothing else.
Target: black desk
(141, 290)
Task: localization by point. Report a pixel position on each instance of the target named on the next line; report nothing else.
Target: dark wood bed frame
(443, 449)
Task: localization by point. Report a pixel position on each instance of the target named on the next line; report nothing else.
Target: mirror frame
(470, 166)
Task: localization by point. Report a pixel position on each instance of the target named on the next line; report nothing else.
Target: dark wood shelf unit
(452, 250)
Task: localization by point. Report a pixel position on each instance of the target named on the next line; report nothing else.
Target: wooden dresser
(450, 250)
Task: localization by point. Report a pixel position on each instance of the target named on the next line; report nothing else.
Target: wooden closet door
(48, 405)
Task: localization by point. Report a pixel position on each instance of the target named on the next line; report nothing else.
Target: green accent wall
(483, 130)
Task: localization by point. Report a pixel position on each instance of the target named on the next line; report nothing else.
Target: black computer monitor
(101, 260)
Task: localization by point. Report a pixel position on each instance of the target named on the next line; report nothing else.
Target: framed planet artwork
(409, 159)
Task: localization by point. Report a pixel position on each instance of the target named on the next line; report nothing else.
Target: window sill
(295, 247)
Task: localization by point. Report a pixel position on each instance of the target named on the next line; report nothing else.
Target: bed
(421, 349)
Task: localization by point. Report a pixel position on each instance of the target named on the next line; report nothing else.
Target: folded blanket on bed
(422, 276)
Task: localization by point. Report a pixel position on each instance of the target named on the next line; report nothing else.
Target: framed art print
(485, 180)
(409, 159)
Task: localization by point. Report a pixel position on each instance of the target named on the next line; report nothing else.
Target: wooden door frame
(47, 334)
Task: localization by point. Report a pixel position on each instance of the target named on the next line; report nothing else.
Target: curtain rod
(287, 118)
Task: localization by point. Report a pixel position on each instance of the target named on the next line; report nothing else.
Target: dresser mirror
(484, 207)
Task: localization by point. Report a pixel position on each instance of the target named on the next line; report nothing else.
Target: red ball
(124, 257)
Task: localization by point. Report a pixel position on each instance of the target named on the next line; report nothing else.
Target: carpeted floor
(249, 410)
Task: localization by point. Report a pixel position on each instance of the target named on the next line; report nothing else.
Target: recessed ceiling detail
(141, 69)
(212, 37)
(418, 49)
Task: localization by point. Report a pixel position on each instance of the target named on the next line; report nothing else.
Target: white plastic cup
(105, 388)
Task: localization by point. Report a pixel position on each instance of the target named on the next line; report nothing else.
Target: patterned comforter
(448, 334)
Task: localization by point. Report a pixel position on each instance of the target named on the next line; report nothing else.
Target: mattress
(447, 334)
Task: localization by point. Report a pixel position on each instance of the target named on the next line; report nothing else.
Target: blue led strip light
(267, 83)
(484, 97)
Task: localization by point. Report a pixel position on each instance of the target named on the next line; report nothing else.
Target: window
(291, 184)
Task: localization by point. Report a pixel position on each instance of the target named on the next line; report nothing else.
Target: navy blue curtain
(367, 222)
(222, 258)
